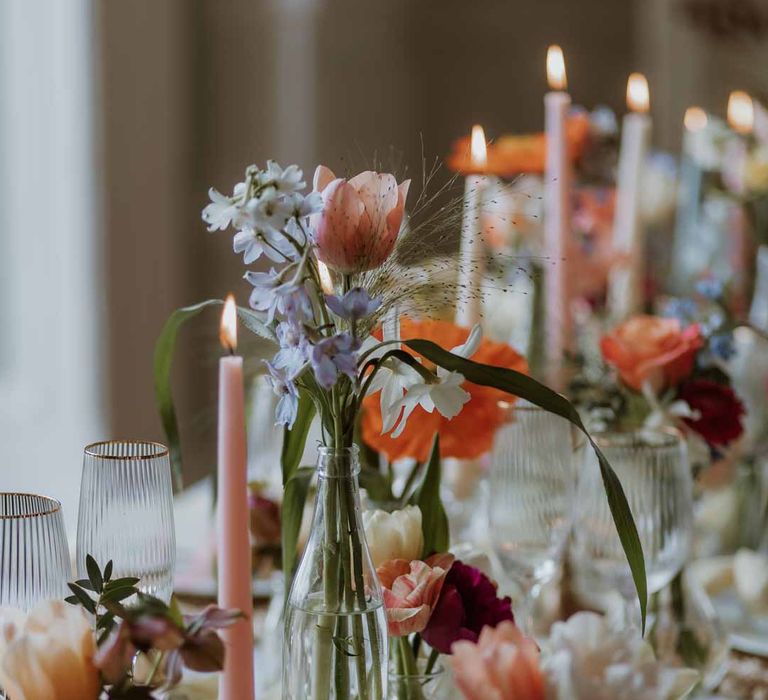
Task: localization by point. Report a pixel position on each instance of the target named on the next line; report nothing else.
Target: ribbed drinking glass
(531, 493)
(34, 558)
(126, 513)
(653, 468)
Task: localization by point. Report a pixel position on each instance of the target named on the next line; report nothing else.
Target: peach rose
(503, 665)
(652, 349)
(360, 220)
(49, 654)
(411, 590)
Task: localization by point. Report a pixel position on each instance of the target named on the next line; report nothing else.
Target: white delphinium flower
(444, 393)
(283, 180)
(220, 213)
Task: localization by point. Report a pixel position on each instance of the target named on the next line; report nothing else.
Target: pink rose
(502, 665)
(360, 220)
(411, 591)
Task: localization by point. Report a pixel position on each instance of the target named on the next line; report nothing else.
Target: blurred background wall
(174, 96)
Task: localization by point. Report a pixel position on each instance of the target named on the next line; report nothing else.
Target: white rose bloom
(395, 535)
(588, 658)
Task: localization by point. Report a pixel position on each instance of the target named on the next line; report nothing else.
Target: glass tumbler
(34, 557)
(653, 469)
(531, 486)
(126, 513)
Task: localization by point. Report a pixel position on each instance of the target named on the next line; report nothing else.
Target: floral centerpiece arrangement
(107, 640)
(672, 370)
(347, 265)
(432, 600)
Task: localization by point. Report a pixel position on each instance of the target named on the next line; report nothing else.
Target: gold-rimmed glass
(34, 557)
(126, 513)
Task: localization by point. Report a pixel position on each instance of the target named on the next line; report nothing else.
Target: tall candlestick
(626, 291)
(684, 265)
(469, 303)
(557, 217)
(234, 549)
(741, 118)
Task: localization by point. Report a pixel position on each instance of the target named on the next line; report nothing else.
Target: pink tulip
(360, 220)
(502, 665)
(411, 591)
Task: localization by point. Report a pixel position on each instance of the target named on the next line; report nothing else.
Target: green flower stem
(325, 626)
(357, 560)
(433, 657)
(358, 645)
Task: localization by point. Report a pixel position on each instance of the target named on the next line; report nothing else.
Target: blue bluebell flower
(710, 288)
(286, 300)
(354, 305)
(288, 403)
(683, 309)
(721, 346)
(294, 347)
(334, 355)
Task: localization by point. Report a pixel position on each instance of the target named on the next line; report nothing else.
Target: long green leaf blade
(295, 438)
(434, 521)
(291, 513)
(529, 389)
(163, 361)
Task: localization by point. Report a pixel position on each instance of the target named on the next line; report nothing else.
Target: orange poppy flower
(512, 155)
(468, 435)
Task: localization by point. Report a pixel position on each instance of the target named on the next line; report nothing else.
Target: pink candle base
(234, 548)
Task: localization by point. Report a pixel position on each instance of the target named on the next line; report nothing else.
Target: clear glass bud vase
(335, 645)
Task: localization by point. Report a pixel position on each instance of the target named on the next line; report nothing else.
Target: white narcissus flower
(445, 393)
(395, 535)
(49, 655)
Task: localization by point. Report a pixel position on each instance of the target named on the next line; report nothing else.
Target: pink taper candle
(234, 549)
(557, 218)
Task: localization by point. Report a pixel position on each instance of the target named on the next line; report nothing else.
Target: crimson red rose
(719, 410)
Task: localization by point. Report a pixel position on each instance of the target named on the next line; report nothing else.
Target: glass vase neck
(338, 462)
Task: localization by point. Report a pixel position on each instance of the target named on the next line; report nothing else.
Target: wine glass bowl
(531, 491)
(653, 469)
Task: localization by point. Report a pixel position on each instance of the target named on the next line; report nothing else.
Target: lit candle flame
(478, 149)
(741, 112)
(638, 99)
(325, 277)
(556, 68)
(228, 328)
(695, 119)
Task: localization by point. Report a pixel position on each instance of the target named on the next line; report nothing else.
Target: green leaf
(118, 593)
(434, 521)
(122, 582)
(163, 360)
(108, 570)
(72, 600)
(294, 499)
(85, 600)
(295, 438)
(529, 389)
(85, 583)
(94, 573)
